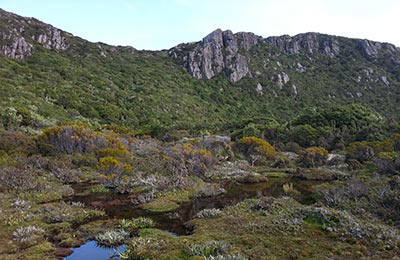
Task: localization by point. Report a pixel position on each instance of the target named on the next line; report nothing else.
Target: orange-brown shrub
(313, 156)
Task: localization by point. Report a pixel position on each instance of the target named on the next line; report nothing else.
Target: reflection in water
(91, 251)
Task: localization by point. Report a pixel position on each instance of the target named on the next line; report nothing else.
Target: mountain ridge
(53, 75)
(207, 59)
(58, 36)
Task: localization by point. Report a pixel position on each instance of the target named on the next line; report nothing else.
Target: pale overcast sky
(162, 24)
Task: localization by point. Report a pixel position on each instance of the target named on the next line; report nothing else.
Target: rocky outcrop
(281, 79)
(18, 36)
(52, 39)
(218, 52)
(371, 49)
(16, 46)
(311, 43)
(225, 52)
(228, 53)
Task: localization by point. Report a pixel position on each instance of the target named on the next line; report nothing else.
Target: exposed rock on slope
(277, 76)
(218, 52)
(306, 42)
(225, 52)
(18, 36)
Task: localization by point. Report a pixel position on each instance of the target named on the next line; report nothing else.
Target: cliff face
(18, 36)
(310, 43)
(225, 52)
(220, 51)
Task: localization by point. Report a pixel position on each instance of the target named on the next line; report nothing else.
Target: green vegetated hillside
(68, 78)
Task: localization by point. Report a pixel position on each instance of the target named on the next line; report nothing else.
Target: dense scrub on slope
(70, 79)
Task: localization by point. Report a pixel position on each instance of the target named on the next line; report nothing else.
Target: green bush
(366, 151)
(110, 239)
(137, 223)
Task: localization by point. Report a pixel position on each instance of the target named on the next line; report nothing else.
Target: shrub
(305, 135)
(67, 175)
(187, 158)
(113, 172)
(250, 130)
(366, 151)
(264, 203)
(141, 247)
(388, 162)
(110, 239)
(137, 223)
(313, 156)
(209, 213)
(120, 152)
(20, 180)
(198, 161)
(395, 138)
(74, 212)
(255, 149)
(211, 191)
(86, 160)
(289, 189)
(28, 236)
(209, 248)
(282, 162)
(99, 189)
(14, 142)
(378, 195)
(70, 138)
(292, 147)
(353, 165)
(37, 162)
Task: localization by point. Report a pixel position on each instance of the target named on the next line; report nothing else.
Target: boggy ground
(76, 184)
(273, 228)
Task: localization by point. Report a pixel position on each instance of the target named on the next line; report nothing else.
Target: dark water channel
(120, 206)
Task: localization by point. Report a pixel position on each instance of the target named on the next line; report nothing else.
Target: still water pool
(90, 251)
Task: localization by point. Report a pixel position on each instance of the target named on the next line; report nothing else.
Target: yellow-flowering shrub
(112, 171)
(255, 149)
(69, 139)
